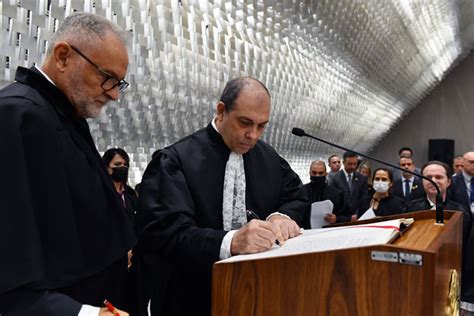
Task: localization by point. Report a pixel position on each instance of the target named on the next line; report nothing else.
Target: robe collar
(33, 78)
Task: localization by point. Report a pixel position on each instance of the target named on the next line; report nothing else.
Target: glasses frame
(121, 84)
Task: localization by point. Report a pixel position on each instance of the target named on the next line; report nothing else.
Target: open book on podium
(362, 268)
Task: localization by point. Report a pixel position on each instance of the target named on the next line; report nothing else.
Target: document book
(324, 239)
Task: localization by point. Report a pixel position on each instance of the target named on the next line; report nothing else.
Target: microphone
(439, 200)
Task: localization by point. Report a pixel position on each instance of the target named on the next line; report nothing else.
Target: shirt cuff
(87, 310)
(225, 245)
(467, 306)
(277, 213)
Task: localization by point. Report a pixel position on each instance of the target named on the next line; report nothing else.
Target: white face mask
(380, 186)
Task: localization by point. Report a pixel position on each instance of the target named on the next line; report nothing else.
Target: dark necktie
(407, 189)
(349, 181)
(472, 190)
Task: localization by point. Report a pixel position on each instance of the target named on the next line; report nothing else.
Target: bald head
(317, 169)
(236, 86)
(468, 162)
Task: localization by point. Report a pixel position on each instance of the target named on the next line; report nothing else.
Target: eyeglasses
(110, 81)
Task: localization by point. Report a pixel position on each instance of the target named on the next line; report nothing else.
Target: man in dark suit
(405, 152)
(319, 190)
(352, 184)
(334, 162)
(461, 191)
(409, 187)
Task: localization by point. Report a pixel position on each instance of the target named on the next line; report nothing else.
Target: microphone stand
(439, 200)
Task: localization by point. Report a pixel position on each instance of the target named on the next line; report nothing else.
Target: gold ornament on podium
(453, 294)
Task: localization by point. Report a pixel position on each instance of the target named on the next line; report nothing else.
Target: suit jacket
(458, 193)
(62, 226)
(181, 209)
(357, 199)
(417, 190)
(326, 192)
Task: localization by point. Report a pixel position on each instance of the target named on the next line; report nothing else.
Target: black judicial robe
(180, 206)
(390, 205)
(62, 227)
(326, 192)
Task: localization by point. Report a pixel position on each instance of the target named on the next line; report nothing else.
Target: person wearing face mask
(383, 203)
(319, 190)
(117, 162)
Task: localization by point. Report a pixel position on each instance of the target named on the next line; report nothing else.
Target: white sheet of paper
(323, 239)
(368, 214)
(318, 211)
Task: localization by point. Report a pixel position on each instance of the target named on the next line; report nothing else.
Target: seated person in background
(364, 169)
(383, 203)
(319, 190)
(440, 173)
(197, 193)
(409, 187)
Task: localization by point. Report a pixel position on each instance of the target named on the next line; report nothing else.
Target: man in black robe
(185, 208)
(319, 190)
(64, 234)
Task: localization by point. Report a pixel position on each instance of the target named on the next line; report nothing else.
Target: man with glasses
(64, 233)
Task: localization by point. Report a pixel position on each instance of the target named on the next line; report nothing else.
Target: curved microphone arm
(439, 200)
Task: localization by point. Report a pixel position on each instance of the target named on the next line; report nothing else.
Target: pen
(111, 308)
(252, 215)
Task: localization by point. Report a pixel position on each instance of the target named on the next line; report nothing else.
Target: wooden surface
(346, 282)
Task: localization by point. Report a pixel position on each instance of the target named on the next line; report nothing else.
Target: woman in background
(383, 203)
(117, 162)
(364, 168)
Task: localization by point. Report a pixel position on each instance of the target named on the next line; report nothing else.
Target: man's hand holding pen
(259, 235)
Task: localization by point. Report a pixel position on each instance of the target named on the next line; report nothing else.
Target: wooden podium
(411, 276)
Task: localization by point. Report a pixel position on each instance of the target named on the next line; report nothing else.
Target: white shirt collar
(44, 74)
(466, 177)
(213, 123)
(346, 173)
(432, 205)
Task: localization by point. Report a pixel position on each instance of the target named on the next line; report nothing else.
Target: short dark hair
(388, 171)
(405, 148)
(348, 154)
(439, 163)
(332, 156)
(406, 157)
(234, 87)
(110, 154)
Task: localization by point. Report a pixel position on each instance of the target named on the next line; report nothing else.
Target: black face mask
(318, 180)
(120, 174)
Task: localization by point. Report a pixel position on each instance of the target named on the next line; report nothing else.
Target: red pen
(111, 308)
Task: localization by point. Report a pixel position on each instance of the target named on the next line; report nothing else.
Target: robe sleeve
(168, 217)
(20, 242)
(293, 198)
